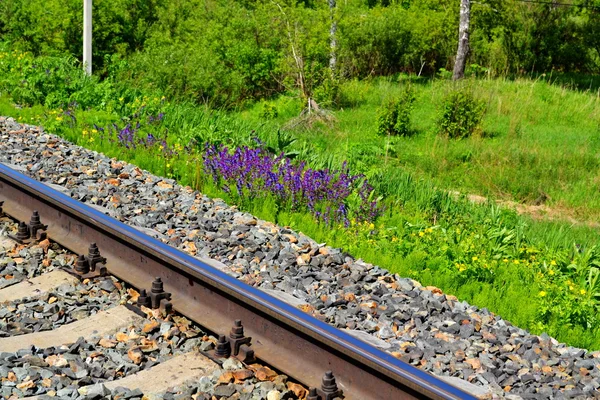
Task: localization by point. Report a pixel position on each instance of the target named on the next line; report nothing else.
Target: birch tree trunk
(332, 38)
(463, 40)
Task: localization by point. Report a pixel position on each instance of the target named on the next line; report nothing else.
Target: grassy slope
(542, 139)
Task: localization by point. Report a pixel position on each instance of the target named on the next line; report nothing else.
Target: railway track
(250, 325)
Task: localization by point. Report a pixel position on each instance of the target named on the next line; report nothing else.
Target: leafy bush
(269, 111)
(393, 117)
(387, 115)
(52, 81)
(462, 115)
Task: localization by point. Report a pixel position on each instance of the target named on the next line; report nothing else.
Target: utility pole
(463, 40)
(87, 36)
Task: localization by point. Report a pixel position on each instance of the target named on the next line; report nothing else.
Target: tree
(332, 38)
(463, 40)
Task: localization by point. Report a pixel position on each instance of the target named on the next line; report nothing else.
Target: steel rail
(296, 343)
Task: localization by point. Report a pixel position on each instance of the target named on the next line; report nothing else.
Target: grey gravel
(18, 263)
(79, 370)
(63, 305)
(422, 326)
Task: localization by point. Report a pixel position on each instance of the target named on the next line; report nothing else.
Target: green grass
(539, 138)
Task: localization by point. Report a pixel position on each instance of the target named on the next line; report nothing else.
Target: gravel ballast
(81, 369)
(420, 325)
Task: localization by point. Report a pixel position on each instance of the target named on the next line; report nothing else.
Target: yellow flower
(474, 258)
(582, 291)
(552, 262)
(394, 239)
(429, 230)
(421, 234)
(94, 131)
(551, 272)
(91, 139)
(59, 119)
(505, 260)
(542, 293)
(516, 261)
(462, 268)
(84, 132)
(571, 287)
(121, 99)
(168, 165)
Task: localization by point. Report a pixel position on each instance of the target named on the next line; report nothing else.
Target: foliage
(269, 111)
(393, 117)
(53, 81)
(54, 27)
(227, 54)
(461, 115)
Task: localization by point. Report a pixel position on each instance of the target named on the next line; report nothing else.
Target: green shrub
(269, 111)
(393, 117)
(461, 116)
(387, 115)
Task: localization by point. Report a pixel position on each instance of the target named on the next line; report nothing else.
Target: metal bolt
(157, 293)
(312, 394)
(81, 265)
(93, 251)
(329, 389)
(237, 338)
(94, 257)
(36, 227)
(237, 332)
(329, 385)
(223, 349)
(157, 285)
(143, 299)
(22, 231)
(35, 218)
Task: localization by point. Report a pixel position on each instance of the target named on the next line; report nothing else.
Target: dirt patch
(539, 212)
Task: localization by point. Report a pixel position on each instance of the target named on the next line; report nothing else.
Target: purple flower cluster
(326, 194)
(131, 135)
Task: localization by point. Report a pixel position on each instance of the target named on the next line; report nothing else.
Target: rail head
(281, 333)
